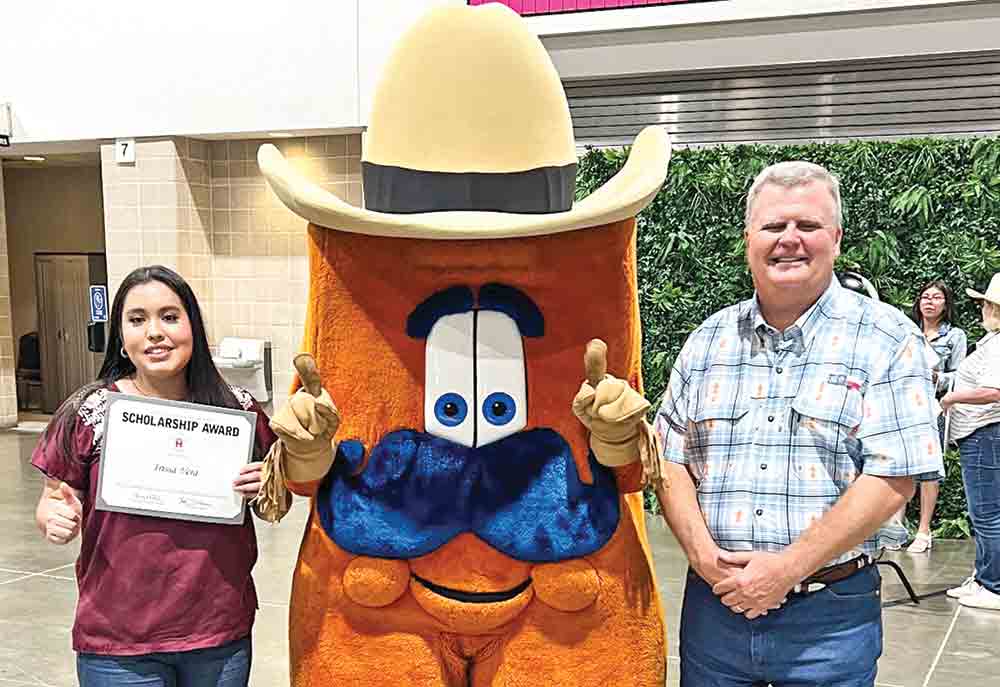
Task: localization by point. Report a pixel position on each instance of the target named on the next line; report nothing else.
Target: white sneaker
(969, 586)
(984, 598)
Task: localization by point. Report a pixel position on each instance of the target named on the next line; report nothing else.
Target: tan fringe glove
(651, 455)
(611, 409)
(273, 501)
(615, 413)
(305, 426)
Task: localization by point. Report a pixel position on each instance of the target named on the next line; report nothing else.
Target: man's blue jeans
(980, 456)
(832, 637)
(224, 666)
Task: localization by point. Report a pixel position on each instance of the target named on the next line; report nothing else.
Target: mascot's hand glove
(306, 425)
(611, 409)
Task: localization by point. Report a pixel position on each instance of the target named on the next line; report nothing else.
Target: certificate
(170, 459)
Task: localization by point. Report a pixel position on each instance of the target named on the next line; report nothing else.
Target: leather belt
(835, 573)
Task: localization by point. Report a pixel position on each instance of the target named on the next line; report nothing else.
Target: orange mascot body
(465, 532)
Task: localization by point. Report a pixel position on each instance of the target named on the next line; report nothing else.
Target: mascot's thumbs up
(615, 413)
(306, 425)
(610, 409)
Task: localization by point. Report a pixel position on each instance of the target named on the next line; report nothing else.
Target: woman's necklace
(135, 382)
(138, 387)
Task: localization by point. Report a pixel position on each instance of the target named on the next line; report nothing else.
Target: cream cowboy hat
(992, 293)
(470, 137)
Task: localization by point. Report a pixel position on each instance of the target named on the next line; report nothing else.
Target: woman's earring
(124, 354)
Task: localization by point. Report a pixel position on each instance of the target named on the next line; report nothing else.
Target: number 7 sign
(125, 150)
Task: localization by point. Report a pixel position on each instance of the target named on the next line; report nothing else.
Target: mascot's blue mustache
(521, 495)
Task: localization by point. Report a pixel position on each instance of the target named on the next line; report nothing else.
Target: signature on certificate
(147, 498)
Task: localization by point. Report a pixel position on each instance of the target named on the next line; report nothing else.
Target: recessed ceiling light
(34, 158)
(279, 134)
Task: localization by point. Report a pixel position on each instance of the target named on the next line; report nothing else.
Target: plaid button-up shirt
(775, 426)
(950, 345)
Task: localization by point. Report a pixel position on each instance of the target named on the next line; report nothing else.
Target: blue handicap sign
(98, 303)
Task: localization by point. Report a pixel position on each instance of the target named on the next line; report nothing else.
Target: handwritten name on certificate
(170, 459)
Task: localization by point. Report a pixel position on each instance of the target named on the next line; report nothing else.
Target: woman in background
(934, 312)
(975, 425)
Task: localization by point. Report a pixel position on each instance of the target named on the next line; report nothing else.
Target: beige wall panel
(50, 209)
(8, 391)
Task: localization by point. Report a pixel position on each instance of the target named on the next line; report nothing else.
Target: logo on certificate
(178, 448)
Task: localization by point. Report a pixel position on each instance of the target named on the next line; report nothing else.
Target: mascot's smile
(473, 597)
(469, 586)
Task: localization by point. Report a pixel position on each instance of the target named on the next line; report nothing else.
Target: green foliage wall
(913, 211)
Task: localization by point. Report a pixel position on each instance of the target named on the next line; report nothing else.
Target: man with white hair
(792, 424)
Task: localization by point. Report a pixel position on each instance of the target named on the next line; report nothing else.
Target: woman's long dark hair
(947, 315)
(204, 383)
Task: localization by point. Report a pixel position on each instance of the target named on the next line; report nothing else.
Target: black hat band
(399, 190)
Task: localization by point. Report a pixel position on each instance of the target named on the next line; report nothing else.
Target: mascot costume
(476, 513)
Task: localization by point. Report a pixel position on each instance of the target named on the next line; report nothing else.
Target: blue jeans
(980, 457)
(223, 666)
(832, 637)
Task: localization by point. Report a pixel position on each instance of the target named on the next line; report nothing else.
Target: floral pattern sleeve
(73, 467)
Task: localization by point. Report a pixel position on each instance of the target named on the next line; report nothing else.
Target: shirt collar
(943, 330)
(804, 328)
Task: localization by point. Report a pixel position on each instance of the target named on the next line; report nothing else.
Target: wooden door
(49, 328)
(62, 285)
(75, 316)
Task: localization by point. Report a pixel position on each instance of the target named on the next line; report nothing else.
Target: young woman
(933, 311)
(975, 425)
(162, 602)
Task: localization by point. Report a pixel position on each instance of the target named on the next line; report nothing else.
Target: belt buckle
(860, 562)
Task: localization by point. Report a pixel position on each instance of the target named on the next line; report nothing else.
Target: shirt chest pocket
(826, 416)
(719, 424)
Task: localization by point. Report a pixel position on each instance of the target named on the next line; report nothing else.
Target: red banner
(530, 7)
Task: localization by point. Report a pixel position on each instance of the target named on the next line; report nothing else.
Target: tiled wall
(8, 391)
(158, 210)
(204, 209)
(260, 272)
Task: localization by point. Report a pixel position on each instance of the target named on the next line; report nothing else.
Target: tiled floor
(935, 644)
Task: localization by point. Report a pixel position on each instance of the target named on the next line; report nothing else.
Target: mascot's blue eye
(451, 409)
(499, 408)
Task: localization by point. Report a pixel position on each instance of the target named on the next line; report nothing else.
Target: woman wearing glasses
(933, 311)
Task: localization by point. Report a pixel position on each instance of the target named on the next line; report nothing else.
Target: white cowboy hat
(992, 293)
(470, 137)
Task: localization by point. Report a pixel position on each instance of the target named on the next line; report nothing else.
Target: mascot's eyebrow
(516, 305)
(451, 301)
(458, 299)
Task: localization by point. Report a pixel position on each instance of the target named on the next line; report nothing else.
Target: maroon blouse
(150, 584)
